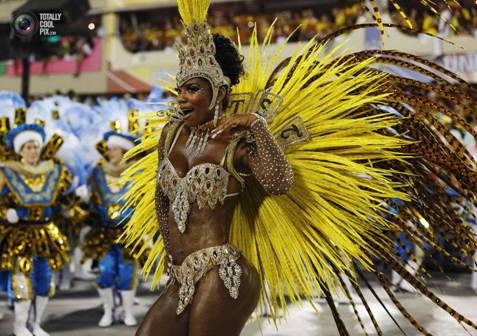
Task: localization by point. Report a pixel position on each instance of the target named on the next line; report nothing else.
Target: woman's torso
(205, 225)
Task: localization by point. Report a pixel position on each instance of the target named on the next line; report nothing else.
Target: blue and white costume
(32, 197)
(117, 265)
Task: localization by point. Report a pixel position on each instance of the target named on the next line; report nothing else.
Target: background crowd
(141, 32)
(158, 30)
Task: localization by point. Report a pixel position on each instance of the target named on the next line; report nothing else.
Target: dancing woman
(201, 174)
(282, 175)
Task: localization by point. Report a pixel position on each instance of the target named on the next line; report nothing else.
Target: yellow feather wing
(346, 169)
(142, 229)
(335, 204)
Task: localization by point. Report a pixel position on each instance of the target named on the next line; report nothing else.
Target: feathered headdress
(197, 50)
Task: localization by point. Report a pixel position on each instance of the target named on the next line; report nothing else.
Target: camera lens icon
(25, 25)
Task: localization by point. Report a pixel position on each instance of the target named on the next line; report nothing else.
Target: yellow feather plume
(193, 11)
(335, 204)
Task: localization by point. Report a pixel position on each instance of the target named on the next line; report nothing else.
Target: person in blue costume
(34, 194)
(117, 265)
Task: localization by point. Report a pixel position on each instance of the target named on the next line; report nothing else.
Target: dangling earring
(216, 114)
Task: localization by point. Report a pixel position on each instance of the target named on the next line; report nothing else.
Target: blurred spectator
(83, 48)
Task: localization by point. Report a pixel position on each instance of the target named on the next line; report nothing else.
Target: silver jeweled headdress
(197, 50)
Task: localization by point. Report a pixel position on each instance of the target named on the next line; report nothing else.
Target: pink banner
(88, 64)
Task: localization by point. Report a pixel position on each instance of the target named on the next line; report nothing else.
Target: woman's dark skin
(212, 311)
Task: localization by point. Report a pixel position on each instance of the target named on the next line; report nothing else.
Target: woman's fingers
(219, 129)
(227, 123)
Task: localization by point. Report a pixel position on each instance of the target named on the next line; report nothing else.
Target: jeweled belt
(198, 263)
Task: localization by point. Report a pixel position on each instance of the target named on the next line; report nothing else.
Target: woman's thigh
(215, 312)
(161, 319)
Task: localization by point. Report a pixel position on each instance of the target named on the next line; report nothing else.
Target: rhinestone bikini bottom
(198, 263)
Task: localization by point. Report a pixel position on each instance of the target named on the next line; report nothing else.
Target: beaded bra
(204, 184)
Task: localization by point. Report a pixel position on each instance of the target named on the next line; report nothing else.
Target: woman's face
(194, 98)
(115, 154)
(30, 152)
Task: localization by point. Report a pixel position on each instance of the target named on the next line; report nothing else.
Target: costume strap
(229, 158)
(171, 138)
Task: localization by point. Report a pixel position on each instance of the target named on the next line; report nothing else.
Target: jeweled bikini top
(204, 184)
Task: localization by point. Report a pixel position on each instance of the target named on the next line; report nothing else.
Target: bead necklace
(198, 138)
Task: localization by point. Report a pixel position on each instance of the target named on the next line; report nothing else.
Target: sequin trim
(268, 162)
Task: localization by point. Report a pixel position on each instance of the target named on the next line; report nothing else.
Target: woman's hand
(236, 122)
